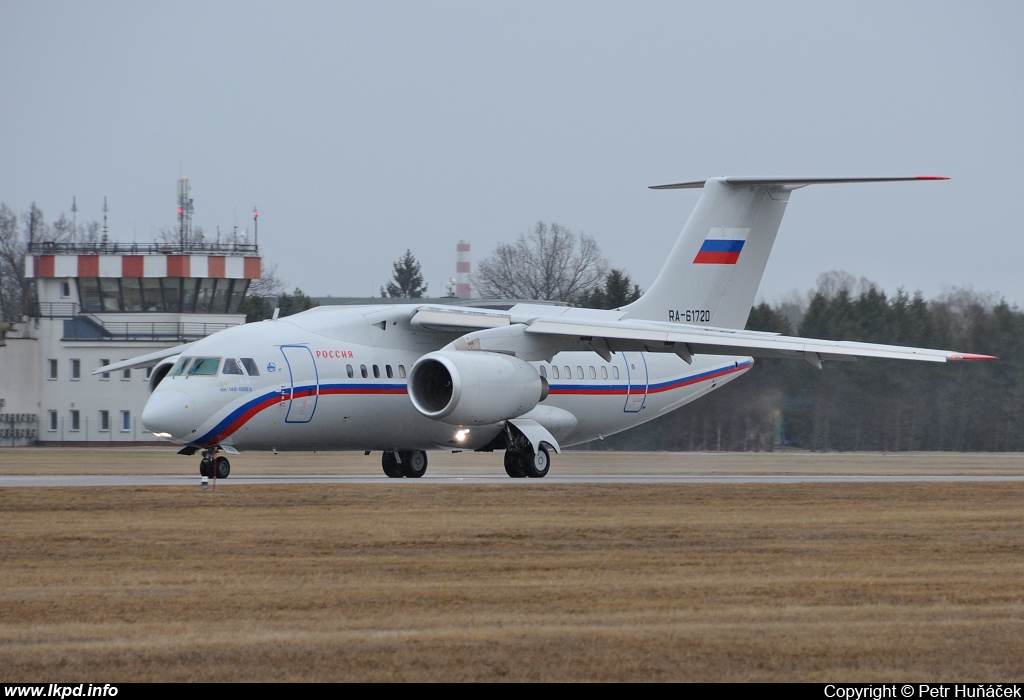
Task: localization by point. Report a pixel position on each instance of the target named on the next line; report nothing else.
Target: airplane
(528, 379)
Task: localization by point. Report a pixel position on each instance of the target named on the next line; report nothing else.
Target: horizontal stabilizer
(791, 182)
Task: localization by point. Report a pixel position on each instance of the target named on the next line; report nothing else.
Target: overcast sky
(363, 129)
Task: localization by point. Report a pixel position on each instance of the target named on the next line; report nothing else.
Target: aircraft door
(636, 375)
(304, 390)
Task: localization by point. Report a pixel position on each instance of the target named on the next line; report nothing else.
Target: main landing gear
(206, 466)
(411, 463)
(527, 463)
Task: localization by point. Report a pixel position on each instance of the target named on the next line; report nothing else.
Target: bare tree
(550, 262)
(12, 266)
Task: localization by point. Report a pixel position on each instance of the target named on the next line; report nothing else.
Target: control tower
(103, 302)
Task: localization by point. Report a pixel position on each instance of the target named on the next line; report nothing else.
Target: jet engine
(160, 371)
(474, 387)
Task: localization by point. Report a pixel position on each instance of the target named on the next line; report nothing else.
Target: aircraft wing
(686, 341)
(143, 360)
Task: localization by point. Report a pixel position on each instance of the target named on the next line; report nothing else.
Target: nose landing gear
(207, 466)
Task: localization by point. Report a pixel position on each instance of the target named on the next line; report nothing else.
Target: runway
(110, 481)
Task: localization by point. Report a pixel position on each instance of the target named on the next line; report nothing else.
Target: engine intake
(474, 387)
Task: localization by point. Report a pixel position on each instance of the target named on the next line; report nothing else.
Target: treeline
(876, 405)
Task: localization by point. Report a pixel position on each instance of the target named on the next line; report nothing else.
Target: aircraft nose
(169, 411)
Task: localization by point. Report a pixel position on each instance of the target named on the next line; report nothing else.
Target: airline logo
(722, 246)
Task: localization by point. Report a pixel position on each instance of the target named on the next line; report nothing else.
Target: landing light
(460, 435)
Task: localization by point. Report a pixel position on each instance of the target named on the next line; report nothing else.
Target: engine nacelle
(160, 371)
(474, 387)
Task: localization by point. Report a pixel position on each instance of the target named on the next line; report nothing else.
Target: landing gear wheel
(389, 462)
(536, 465)
(414, 464)
(512, 464)
(223, 467)
(206, 468)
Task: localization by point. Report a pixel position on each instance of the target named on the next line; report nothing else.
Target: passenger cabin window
(554, 371)
(579, 372)
(231, 366)
(593, 372)
(568, 372)
(604, 373)
(543, 372)
(376, 372)
(390, 372)
(250, 366)
(204, 367)
(362, 371)
(401, 371)
(615, 372)
(351, 372)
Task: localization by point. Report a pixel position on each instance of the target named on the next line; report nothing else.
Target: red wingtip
(931, 177)
(970, 356)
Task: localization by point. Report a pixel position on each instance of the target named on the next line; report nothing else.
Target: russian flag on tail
(722, 246)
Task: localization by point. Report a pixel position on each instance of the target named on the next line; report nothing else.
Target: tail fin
(713, 272)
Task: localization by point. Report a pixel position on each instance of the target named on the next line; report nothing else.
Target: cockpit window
(250, 366)
(204, 366)
(231, 366)
(179, 366)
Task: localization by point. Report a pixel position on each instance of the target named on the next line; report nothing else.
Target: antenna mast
(184, 211)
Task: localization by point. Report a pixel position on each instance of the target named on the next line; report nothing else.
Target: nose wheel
(207, 467)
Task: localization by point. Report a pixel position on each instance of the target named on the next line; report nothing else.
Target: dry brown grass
(400, 581)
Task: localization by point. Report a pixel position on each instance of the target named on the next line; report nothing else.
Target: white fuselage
(337, 378)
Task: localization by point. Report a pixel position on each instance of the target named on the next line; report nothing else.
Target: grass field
(420, 581)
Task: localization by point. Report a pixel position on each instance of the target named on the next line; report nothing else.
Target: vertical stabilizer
(713, 272)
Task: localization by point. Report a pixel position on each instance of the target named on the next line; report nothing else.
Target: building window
(149, 372)
(76, 422)
(76, 369)
(104, 421)
(53, 369)
(53, 421)
(126, 421)
(65, 289)
(104, 363)
(126, 374)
